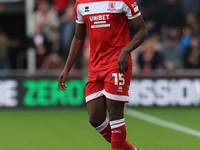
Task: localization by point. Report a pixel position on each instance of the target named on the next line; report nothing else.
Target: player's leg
(97, 117)
(97, 111)
(116, 91)
(117, 123)
(96, 105)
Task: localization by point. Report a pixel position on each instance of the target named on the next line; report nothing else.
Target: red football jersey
(108, 29)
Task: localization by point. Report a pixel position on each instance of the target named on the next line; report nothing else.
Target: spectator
(157, 42)
(42, 45)
(52, 61)
(67, 28)
(192, 55)
(47, 18)
(164, 32)
(171, 54)
(192, 23)
(167, 32)
(149, 59)
(185, 39)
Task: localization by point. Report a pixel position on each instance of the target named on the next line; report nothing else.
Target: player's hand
(123, 62)
(61, 80)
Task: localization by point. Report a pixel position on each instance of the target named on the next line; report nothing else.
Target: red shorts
(109, 83)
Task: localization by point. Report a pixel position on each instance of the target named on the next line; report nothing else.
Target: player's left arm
(141, 34)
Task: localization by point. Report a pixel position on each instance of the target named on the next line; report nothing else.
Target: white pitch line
(161, 122)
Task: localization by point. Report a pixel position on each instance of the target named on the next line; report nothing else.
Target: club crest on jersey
(111, 6)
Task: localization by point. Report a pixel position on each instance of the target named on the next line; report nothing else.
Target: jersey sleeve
(131, 9)
(78, 15)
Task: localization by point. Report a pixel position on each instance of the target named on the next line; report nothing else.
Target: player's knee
(95, 121)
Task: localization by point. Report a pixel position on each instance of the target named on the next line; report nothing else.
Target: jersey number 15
(118, 77)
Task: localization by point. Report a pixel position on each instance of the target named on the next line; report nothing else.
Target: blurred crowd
(174, 35)
(173, 42)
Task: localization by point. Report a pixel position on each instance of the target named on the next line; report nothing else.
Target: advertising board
(44, 92)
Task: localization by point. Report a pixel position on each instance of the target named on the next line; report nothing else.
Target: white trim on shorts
(113, 97)
(94, 96)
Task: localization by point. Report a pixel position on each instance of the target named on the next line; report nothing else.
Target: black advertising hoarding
(41, 92)
(44, 92)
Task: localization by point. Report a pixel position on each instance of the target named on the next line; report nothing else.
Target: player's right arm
(76, 47)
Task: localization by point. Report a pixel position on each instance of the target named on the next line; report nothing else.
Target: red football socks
(128, 145)
(118, 134)
(118, 139)
(104, 130)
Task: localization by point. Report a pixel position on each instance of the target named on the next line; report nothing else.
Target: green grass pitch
(68, 129)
